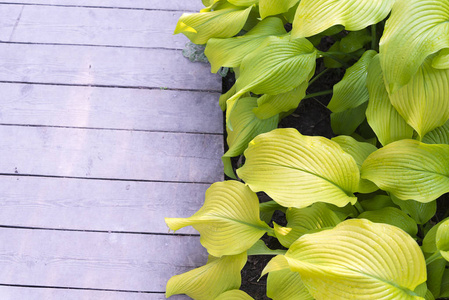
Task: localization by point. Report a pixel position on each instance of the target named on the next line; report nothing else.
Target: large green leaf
(383, 118)
(442, 239)
(315, 16)
(359, 151)
(228, 221)
(297, 171)
(226, 21)
(230, 52)
(429, 244)
(275, 7)
(392, 216)
(351, 91)
(246, 126)
(409, 169)
(358, 259)
(211, 280)
(346, 122)
(424, 101)
(286, 285)
(234, 295)
(420, 212)
(441, 61)
(439, 135)
(415, 29)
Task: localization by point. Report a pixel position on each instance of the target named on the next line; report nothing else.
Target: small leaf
(315, 16)
(209, 281)
(226, 21)
(439, 135)
(435, 271)
(392, 216)
(409, 169)
(346, 122)
(358, 259)
(383, 118)
(228, 222)
(420, 212)
(377, 202)
(229, 52)
(429, 242)
(354, 41)
(267, 209)
(234, 295)
(275, 7)
(351, 91)
(442, 239)
(259, 248)
(286, 285)
(297, 171)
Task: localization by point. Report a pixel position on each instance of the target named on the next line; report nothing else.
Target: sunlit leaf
(351, 91)
(429, 242)
(315, 16)
(228, 221)
(224, 22)
(211, 280)
(383, 118)
(297, 171)
(346, 122)
(234, 295)
(392, 216)
(441, 61)
(243, 2)
(424, 101)
(230, 52)
(415, 29)
(286, 285)
(409, 169)
(259, 248)
(442, 239)
(358, 259)
(439, 135)
(359, 151)
(246, 126)
(275, 7)
(420, 212)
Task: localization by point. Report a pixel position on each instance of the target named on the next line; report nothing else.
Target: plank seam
(104, 179)
(112, 86)
(79, 288)
(100, 231)
(99, 7)
(111, 129)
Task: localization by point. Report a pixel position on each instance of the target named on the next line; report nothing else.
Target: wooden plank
(13, 293)
(129, 67)
(186, 5)
(65, 203)
(130, 262)
(9, 16)
(92, 26)
(95, 107)
(111, 154)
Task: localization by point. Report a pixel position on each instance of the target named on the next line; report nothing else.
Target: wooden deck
(105, 130)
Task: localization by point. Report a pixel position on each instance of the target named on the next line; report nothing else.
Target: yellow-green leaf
(303, 220)
(286, 285)
(424, 101)
(351, 91)
(246, 126)
(297, 171)
(442, 239)
(354, 41)
(211, 280)
(315, 16)
(243, 2)
(229, 220)
(226, 21)
(358, 259)
(230, 52)
(234, 295)
(259, 248)
(409, 169)
(383, 118)
(359, 151)
(439, 135)
(429, 242)
(346, 122)
(415, 29)
(392, 216)
(420, 212)
(441, 61)
(275, 7)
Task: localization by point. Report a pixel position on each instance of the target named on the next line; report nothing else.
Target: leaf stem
(359, 207)
(434, 257)
(327, 92)
(318, 76)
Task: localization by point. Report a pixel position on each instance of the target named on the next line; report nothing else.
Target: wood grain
(65, 203)
(186, 5)
(130, 262)
(91, 26)
(122, 67)
(111, 154)
(96, 107)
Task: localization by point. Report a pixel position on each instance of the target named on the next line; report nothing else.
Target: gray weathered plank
(113, 154)
(186, 5)
(132, 67)
(9, 14)
(65, 203)
(97, 107)
(26, 293)
(92, 26)
(131, 262)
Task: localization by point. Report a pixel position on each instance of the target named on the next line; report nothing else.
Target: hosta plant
(361, 216)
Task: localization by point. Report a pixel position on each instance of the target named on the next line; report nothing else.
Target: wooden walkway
(105, 129)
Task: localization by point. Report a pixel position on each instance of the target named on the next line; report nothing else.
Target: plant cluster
(361, 208)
